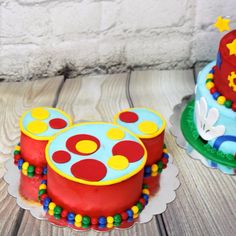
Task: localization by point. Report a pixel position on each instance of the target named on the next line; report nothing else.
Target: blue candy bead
(20, 163)
(44, 181)
(71, 222)
(216, 95)
(46, 201)
(44, 170)
(165, 155)
(146, 197)
(147, 170)
(70, 216)
(130, 213)
(102, 220)
(45, 208)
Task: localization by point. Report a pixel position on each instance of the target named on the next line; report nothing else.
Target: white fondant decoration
(206, 119)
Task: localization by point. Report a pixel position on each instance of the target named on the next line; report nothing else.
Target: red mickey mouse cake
(209, 121)
(37, 126)
(149, 126)
(95, 175)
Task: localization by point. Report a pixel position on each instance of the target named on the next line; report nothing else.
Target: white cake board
(157, 203)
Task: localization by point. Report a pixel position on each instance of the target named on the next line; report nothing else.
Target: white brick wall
(43, 37)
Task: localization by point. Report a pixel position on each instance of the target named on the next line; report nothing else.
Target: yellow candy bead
(210, 85)
(51, 206)
(42, 186)
(165, 150)
(24, 172)
(134, 209)
(221, 100)
(146, 191)
(210, 76)
(51, 212)
(110, 220)
(109, 225)
(78, 224)
(154, 168)
(135, 216)
(25, 165)
(17, 148)
(78, 218)
(154, 173)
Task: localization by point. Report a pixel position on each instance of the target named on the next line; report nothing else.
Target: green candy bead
(57, 210)
(160, 165)
(140, 207)
(116, 224)
(208, 80)
(85, 220)
(16, 152)
(85, 226)
(41, 191)
(228, 103)
(164, 146)
(145, 186)
(30, 169)
(30, 174)
(117, 218)
(57, 216)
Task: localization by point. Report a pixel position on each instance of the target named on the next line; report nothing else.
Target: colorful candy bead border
(157, 167)
(79, 220)
(25, 167)
(210, 85)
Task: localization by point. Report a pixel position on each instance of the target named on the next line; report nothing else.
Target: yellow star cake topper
(222, 24)
(232, 47)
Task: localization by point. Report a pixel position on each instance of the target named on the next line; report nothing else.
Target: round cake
(37, 126)
(149, 126)
(95, 174)
(209, 121)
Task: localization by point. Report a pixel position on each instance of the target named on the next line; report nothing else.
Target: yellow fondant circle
(37, 127)
(40, 113)
(115, 134)
(86, 146)
(118, 162)
(148, 127)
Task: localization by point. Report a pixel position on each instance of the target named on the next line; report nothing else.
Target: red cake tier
(94, 201)
(225, 71)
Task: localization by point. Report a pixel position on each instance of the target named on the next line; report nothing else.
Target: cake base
(157, 203)
(187, 137)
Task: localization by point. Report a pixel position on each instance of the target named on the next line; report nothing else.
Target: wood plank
(93, 98)
(205, 199)
(16, 98)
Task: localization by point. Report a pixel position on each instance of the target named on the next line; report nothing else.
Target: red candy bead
(234, 106)
(94, 221)
(44, 177)
(142, 201)
(42, 197)
(17, 157)
(38, 170)
(213, 90)
(124, 216)
(164, 160)
(64, 213)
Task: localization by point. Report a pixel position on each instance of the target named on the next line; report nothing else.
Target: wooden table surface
(205, 201)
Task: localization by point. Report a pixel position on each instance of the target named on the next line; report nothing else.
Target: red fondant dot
(61, 156)
(72, 141)
(128, 117)
(89, 169)
(57, 123)
(133, 151)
